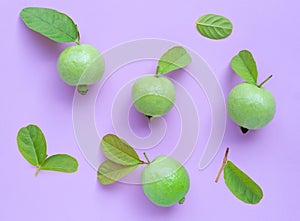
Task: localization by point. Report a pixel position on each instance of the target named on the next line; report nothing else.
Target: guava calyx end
(82, 89)
(148, 116)
(181, 201)
(244, 130)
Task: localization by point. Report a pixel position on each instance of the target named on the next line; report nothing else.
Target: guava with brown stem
(249, 105)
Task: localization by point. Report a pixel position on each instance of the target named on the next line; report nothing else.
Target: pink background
(32, 92)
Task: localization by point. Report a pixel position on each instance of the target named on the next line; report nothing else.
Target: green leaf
(110, 172)
(32, 144)
(53, 24)
(245, 66)
(175, 58)
(241, 185)
(60, 163)
(118, 151)
(214, 26)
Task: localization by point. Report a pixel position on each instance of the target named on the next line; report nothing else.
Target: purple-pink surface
(32, 92)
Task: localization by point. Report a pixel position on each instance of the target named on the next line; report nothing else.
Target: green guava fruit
(153, 95)
(80, 65)
(165, 181)
(250, 106)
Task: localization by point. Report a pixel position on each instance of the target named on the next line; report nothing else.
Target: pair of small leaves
(239, 183)
(214, 26)
(32, 145)
(245, 66)
(175, 58)
(52, 24)
(122, 159)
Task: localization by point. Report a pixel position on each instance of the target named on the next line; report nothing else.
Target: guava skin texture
(250, 106)
(80, 65)
(165, 181)
(153, 95)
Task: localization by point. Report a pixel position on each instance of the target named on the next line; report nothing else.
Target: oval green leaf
(110, 172)
(241, 185)
(214, 26)
(175, 58)
(118, 151)
(32, 144)
(53, 24)
(60, 163)
(245, 66)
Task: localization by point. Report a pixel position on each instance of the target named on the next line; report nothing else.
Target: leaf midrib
(54, 168)
(249, 70)
(117, 170)
(52, 25)
(121, 150)
(243, 181)
(213, 26)
(34, 147)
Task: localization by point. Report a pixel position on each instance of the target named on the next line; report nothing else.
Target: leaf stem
(37, 171)
(223, 165)
(268, 78)
(78, 38)
(148, 161)
(157, 71)
(39, 167)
